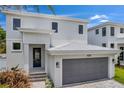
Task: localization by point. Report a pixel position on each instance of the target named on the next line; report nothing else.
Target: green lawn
(119, 74)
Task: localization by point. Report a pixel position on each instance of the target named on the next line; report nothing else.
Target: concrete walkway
(99, 84)
(39, 84)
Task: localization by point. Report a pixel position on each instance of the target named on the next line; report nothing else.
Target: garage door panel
(79, 70)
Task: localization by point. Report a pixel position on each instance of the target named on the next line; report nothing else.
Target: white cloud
(98, 17)
(102, 21)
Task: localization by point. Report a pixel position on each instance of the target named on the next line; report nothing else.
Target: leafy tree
(2, 41)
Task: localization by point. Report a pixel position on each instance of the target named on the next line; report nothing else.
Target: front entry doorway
(36, 58)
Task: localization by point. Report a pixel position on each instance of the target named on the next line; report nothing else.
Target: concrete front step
(33, 77)
(37, 73)
(37, 76)
(37, 79)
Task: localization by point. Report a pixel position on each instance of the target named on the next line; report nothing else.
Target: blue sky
(96, 14)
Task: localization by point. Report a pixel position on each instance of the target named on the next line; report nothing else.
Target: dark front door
(36, 57)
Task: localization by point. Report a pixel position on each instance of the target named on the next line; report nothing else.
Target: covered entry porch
(35, 58)
(35, 42)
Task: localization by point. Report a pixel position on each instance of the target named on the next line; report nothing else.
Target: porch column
(26, 58)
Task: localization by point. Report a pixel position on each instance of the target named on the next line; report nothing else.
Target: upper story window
(121, 30)
(97, 31)
(104, 44)
(104, 31)
(112, 31)
(80, 29)
(112, 45)
(16, 23)
(55, 26)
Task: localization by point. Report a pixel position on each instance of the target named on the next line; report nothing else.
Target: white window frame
(12, 22)
(20, 50)
(104, 44)
(123, 30)
(96, 31)
(111, 45)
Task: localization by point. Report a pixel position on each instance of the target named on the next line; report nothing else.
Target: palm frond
(51, 8)
(37, 8)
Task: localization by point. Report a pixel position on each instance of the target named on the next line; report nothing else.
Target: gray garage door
(80, 70)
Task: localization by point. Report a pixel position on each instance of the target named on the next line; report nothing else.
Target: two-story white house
(109, 35)
(57, 46)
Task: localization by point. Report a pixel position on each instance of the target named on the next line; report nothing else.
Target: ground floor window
(16, 46)
(121, 54)
(112, 45)
(104, 44)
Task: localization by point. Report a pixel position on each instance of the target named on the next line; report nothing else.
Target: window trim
(112, 33)
(122, 31)
(103, 35)
(13, 23)
(55, 30)
(113, 45)
(82, 31)
(97, 31)
(18, 50)
(103, 44)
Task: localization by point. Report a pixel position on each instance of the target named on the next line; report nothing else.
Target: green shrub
(4, 86)
(49, 83)
(14, 78)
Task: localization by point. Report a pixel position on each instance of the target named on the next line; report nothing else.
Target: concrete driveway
(98, 84)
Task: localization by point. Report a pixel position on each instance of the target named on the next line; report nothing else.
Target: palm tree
(25, 7)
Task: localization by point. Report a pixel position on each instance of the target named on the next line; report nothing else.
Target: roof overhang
(35, 31)
(105, 24)
(82, 52)
(30, 14)
(77, 48)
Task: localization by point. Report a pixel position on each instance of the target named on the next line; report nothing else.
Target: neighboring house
(57, 46)
(109, 35)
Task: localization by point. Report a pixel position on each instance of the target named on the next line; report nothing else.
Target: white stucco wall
(2, 63)
(51, 67)
(67, 30)
(14, 57)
